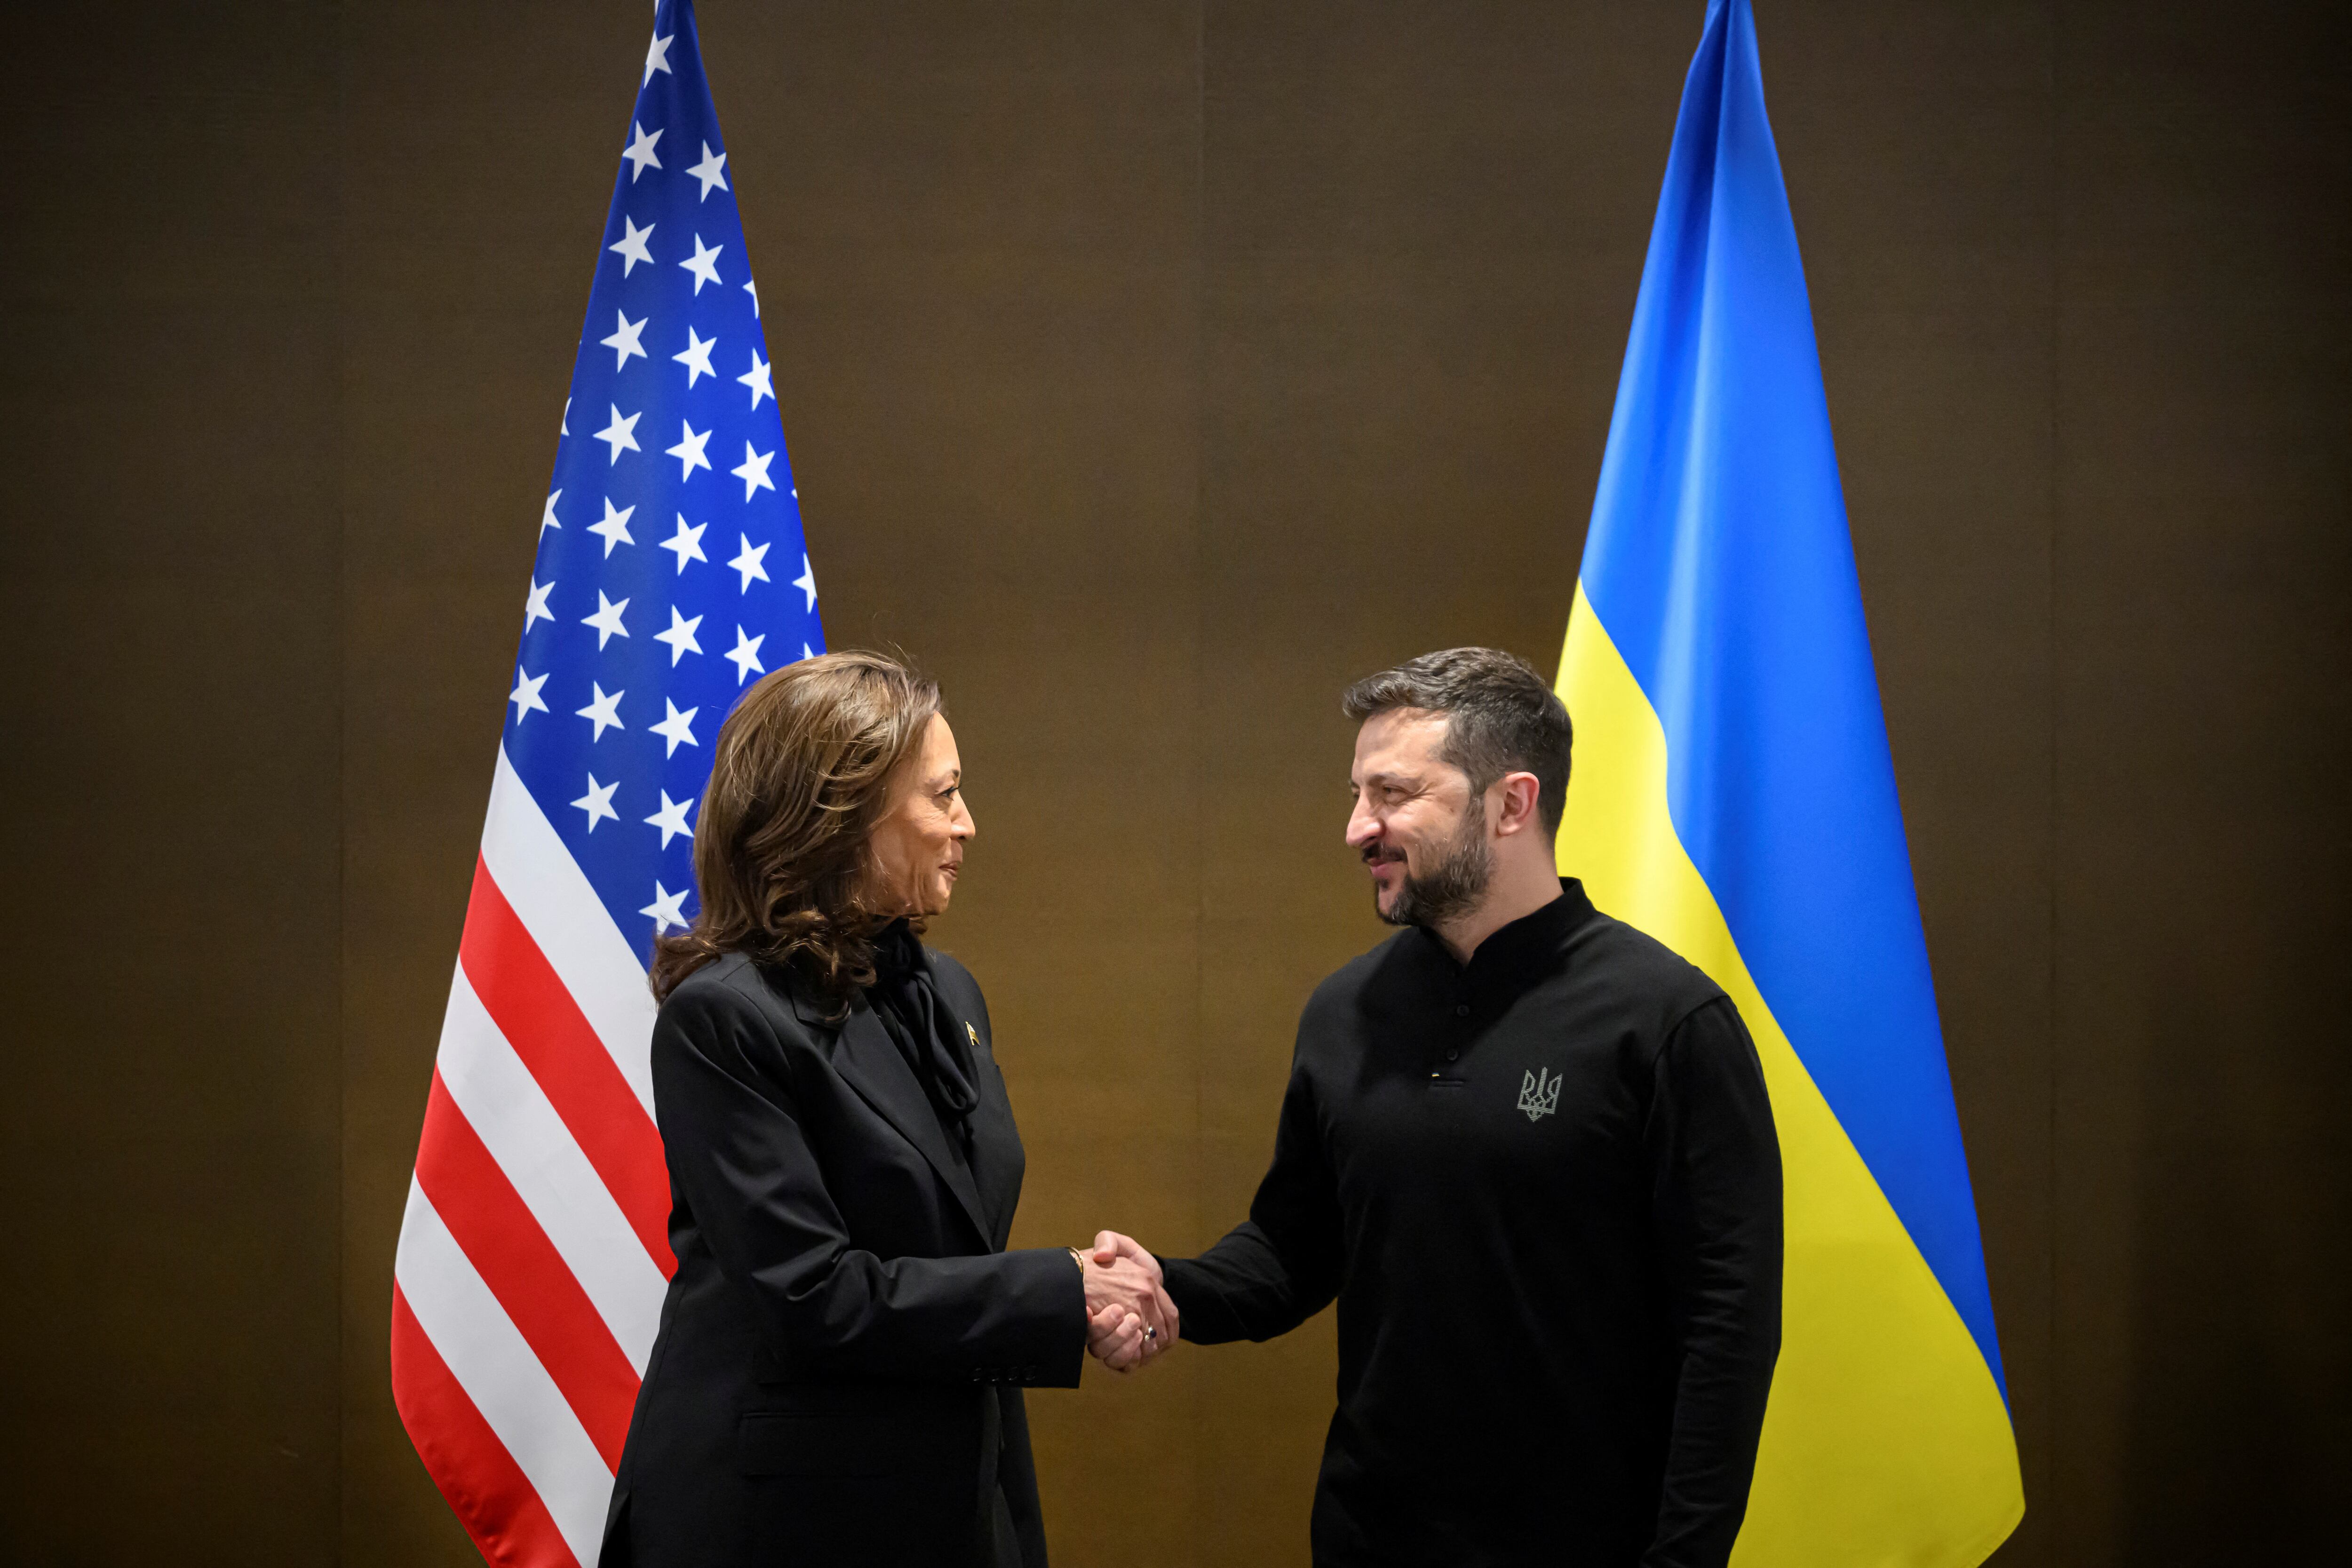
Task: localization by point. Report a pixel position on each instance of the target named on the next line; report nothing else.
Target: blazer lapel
(997, 1162)
(996, 1151)
(872, 1065)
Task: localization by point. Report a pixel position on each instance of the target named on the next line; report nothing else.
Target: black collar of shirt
(1522, 950)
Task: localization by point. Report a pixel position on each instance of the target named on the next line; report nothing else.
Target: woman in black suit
(838, 1372)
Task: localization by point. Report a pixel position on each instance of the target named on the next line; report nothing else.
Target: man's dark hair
(1501, 717)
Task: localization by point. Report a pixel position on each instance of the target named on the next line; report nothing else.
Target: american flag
(671, 572)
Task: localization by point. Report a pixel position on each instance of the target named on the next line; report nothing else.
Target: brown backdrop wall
(1151, 370)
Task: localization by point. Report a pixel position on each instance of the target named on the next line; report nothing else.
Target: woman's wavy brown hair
(801, 771)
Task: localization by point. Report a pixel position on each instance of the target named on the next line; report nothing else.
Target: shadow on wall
(2235, 1442)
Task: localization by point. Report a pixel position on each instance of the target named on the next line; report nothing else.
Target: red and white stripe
(533, 1256)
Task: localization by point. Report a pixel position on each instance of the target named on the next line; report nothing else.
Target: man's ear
(1517, 809)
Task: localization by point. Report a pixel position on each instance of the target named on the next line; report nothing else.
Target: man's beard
(1453, 887)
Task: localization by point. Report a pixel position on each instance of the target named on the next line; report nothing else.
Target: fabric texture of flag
(1733, 794)
(671, 572)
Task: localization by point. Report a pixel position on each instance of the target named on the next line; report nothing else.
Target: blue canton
(672, 571)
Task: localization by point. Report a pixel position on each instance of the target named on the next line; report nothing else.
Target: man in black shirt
(1528, 1150)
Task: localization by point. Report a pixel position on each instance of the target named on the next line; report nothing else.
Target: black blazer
(836, 1376)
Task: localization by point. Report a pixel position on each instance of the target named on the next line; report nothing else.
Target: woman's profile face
(918, 843)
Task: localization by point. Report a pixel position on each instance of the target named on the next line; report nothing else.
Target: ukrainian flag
(1733, 795)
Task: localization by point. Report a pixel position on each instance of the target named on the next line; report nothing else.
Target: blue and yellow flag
(1733, 795)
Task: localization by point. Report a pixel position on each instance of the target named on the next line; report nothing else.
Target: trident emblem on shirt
(1538, 1095)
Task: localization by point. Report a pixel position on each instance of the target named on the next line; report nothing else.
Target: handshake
(1130, 1319)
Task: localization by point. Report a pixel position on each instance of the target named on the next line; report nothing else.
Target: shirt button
(1461, 1010)
(1452, 1055)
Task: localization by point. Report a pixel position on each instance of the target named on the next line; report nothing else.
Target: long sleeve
(1715, 1163)
(1282, 1264)
(741, 1160)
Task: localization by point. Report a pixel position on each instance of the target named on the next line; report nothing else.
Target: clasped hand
(1130, 1319)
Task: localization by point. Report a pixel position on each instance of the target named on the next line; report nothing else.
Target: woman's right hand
(1129, 1318)
(1114, 1338)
